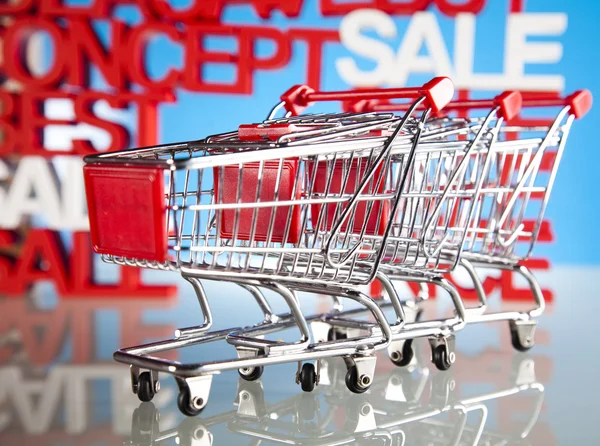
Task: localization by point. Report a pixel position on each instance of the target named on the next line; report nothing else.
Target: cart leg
(478, 287)
(459, 306)
(204, 306)
(400, 351)
(338, 326)
(454, 324)
(439, 331)
(443, 353)
(193, 394)
(413, 308)
(538, 296)
(521, 323)
(261, 301)
(336, 330)
(380, 322)
(392, 294)
(243, 338)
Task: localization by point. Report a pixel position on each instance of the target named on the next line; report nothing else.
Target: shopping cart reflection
(406, 405)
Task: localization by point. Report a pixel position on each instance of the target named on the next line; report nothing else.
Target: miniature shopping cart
(318, 203)
(291, 204)
(510, 204)
(427, 227)
(438, 205)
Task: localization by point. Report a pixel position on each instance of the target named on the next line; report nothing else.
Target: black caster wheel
(440, 358)
(308, 377)
(517, 343)
(403, 358)
(353, 381)
(186, 405)
(251, 373)
(145, 390)
(335, 334)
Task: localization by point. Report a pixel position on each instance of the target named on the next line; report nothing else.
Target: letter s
(350, 36)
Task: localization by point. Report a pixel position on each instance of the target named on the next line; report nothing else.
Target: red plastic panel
(335, 187)
(246, 216)
(258, 132)
(127, 211)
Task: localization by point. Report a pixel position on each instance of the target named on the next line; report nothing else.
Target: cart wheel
(335, 334)
(516, 340)
(440, 358)
(251, 373)
(353, 381)
(308, 377)
(145, 391)
(402, 359)
(185, 403)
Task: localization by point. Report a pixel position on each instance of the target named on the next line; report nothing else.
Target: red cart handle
(580, 102)
(437, 92)
(509, 104)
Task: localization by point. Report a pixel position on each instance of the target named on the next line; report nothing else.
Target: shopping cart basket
(511, 205)
(511, 202)
(436, 209)
(248, 207)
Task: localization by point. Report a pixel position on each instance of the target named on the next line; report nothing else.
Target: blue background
(573, 207)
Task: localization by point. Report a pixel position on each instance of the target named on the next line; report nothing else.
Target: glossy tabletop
(60, 386)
